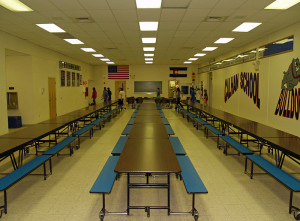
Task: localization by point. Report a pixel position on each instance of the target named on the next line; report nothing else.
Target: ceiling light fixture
(282, 4)
(52, 28)
(193, 59)
(148, 40)
(187, 62)
(74, 41)
(246, 27)
(88, 49)
(104, 59)
(149, 62)
(98, 55)
(110, 62)
(15, 5)
(148, 25)
(199, 54)
(209, 48)
(148, 59)
(148, 48)
(148, 3)
(148, 55)
(223, 40)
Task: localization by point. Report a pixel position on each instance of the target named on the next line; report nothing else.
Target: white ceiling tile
(195, 4)
(44, 5)
(77, 13)
(102, 15)
(125, 15)
(148, 14)
(66, 5)
(172, 14)
(188, 26)
(195, 15)
(94, 4)
(167, 26)
(122, 4)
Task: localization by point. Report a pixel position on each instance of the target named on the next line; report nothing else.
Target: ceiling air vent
(215, 19)
(83, 20)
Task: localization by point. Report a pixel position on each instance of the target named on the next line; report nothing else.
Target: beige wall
(142, 73)
(43, 64)
(270, 77)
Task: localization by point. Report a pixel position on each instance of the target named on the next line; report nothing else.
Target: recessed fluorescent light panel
(246, 26)
(98, 55)
(110, 62)
(223, 40)
(148, 48)
(193, 59)
(149, 62)
(148, 59)
(88, 49)
(148, 3)
(104, 59)
(52, 28)
(282, 4)
(199, 54)
(187, 62)
(148, 55)
(148, 25)
(209, 48)
(15, 5)
(74, 41)
(148, 40)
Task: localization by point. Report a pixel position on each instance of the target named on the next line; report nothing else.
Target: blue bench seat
(201, 121)
(97, 121)
(236, 145)
(286, 179)
(58, 147)
(131, 121)
(192, 181)
(83, 130)
(127, 129)
(209, 127)
(177, 146)
(105, 181)
(13, 177)
(165, 121)
(119, 146)
(169, 129)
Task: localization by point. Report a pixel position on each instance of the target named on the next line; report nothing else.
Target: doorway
(119, 84)
(52, 97)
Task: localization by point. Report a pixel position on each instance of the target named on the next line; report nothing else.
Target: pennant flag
(118, 72)
(178, 72)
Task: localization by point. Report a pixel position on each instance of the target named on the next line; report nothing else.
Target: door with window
(119, 84)
(52, 97)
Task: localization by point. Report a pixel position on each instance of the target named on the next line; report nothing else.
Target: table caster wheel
(196, 217)
(297, 215)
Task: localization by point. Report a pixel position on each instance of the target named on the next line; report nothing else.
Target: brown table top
(61, 119)
(148, 113)
(286, 141)
(148, 106)
(33, 131)
(154, 131)
(148, 156)
(7, 145)
(148, 119)
(252, 127)
(292, 145)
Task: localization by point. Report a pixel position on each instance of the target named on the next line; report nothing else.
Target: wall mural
(288, 104)
(249, 83)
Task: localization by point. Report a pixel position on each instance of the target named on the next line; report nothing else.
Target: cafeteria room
(149, 110)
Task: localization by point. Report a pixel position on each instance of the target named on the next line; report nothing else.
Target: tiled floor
(232, 194)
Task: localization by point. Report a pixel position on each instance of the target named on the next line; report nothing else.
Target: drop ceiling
(112, 27)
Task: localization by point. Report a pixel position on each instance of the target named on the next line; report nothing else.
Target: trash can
(14, 121)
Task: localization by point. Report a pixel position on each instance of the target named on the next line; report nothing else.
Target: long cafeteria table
(17, 141)
(148, 150)
(288, 144)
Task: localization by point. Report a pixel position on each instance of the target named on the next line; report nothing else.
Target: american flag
(118, 72)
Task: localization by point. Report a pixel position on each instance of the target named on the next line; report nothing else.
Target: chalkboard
(147, 86)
